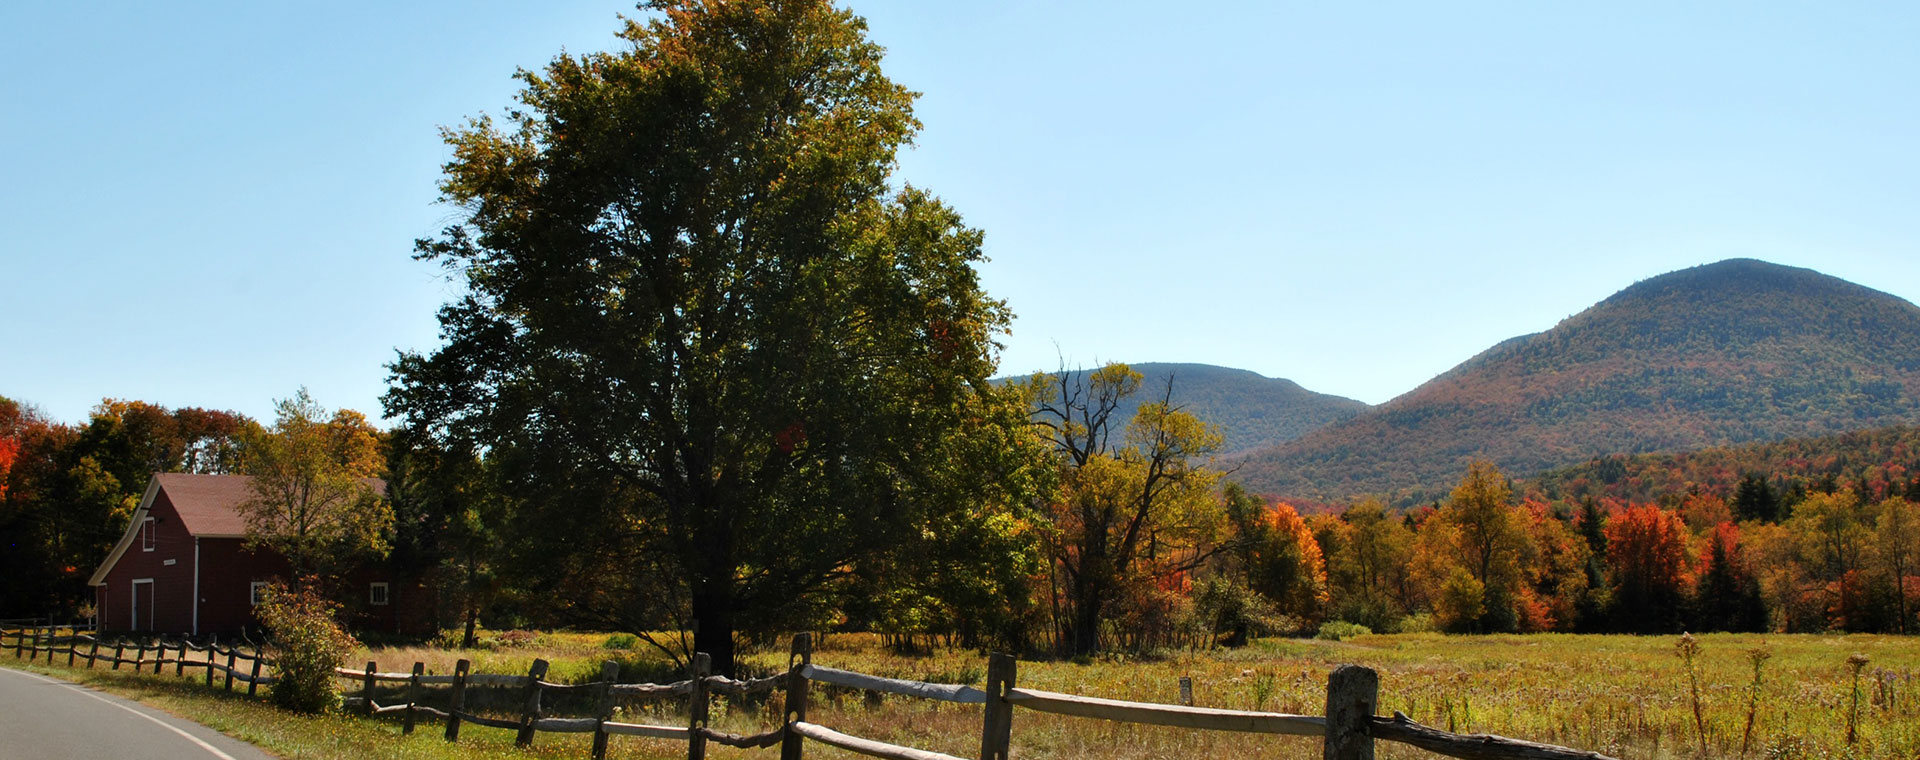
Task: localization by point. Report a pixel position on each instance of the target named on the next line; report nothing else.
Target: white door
(142, 605)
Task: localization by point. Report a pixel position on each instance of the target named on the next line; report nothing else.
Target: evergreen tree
(1755, 499)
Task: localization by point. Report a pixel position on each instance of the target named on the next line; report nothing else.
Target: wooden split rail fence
(1348, 730)
(233, 663)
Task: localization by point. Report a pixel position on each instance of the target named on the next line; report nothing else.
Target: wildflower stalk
(1687, 648)
(1854, 664)
(1756, 656)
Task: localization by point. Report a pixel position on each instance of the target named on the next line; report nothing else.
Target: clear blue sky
(212, 204)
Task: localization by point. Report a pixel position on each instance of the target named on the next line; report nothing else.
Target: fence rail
(1349, 728)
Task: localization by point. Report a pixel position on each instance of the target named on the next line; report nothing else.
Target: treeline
(1874, 463)
(1484, 560)
(1127, 540)
(66, 491)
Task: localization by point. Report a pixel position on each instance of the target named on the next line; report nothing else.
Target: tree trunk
(473, 609)
(712, 603)
(1089, 602)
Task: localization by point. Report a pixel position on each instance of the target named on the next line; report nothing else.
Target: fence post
(119, 652)
(996, 730)
(230, 653)
(73, 647)
(253, 677)
(366, 689)
(94, 652)
(701, 667)
(160, 654)
(609, 672)
(413, 696)
(530, 710)
(19, 638)
(213, 647)
(1352, 692)
(802, 655)
(458, 700)
(1186, 690)
(53, 636)
(140, 657)
(180, 664)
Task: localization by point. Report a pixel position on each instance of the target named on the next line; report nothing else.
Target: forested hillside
(1875, 463)
(1727, 353)
(1251, 411)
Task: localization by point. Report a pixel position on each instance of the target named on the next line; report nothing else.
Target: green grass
(1626, 696)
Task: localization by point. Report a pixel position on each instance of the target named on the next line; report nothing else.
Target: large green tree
(698, 314)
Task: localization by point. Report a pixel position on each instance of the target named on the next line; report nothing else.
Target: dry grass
(1623, 695)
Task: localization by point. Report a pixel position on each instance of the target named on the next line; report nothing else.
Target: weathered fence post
(93, 653)
(413, 696)
(1186, 690)
(1352, 693)
(458, 700)
(213, 648)
(159, 655)
(609, 672)
(140, 657)
(700, 667)
(530, 709)
(73, 647)
(119, 652)
(253, 676)
(229, 685)
(801, 655)
(996, 730)
(19, 639)
(366, 689)
(53, 636)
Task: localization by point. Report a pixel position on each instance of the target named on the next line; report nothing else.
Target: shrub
(307, 646)
(621, 641)
(1420, 623)
(1341, 630)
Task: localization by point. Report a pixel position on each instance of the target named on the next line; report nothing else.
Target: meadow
(1626, 696)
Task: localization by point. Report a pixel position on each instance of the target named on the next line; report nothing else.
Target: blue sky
(213, 204)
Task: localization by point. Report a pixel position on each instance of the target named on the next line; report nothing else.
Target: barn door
(142, 605)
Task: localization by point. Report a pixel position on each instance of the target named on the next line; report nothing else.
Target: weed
(1854, 664)
(1757, 657)
(1688, 648)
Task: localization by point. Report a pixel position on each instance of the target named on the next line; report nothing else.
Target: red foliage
(1647, 547)
(9, 452)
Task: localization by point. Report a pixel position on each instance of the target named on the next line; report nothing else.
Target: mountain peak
(1739, 278)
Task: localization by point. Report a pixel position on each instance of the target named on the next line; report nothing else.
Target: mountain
(1252, 411)
(1733, 352)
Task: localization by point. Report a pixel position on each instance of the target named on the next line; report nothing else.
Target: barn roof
(208, 505)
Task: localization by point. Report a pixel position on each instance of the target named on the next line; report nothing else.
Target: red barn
(182, 566)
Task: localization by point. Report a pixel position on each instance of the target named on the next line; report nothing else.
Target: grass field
(1627, 696)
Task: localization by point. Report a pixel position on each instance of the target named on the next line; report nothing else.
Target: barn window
(377, 593)
(146, 535)
(257, 591)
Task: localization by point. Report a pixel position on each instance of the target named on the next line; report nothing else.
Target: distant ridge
(1252, 411)
(1726, 353)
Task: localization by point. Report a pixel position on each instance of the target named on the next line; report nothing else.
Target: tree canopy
(699, 318)
(311, 497)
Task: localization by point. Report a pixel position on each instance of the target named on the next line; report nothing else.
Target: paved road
(47, 719)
